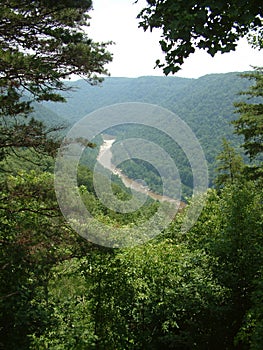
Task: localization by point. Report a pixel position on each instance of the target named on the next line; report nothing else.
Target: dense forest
(189, 287)
(205, 104)
(200, 289)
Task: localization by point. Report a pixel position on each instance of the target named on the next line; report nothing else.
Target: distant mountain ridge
(117, 90)
(205, 104)
(47, 116)
(174, 93)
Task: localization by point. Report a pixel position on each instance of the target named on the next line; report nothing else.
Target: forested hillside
(206, 104)
(47, 116)
(207, 98)
(78, 273)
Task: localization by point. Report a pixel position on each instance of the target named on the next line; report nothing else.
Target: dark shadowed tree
(42, 43)
(229, 165)
(250, 121)
(215, 26)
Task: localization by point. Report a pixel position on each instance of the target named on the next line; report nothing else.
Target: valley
(104, 158)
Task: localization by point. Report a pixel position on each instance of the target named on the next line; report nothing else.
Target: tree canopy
(213, 25)
(229, 165)
(42, 43)
(197, 289)
(250, 121)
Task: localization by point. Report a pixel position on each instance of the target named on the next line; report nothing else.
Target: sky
(136, 51)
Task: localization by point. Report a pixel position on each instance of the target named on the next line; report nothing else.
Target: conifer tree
(230, 165)
(41, 43)
(250, 122)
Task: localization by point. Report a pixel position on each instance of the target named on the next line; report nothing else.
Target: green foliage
(59, 46)
(30, 236)
(215, 26)
(173, 290)
(251, 332)
(99, 210)
(230, 165)
(42, 43)
(230, 231)
(200, 289)
(205, 104)
(182, 291)
(139, 169)
(70, 323)
(250, 122)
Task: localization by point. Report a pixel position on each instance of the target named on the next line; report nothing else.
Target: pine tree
(41, 43)
(250, 122)
(230, 165)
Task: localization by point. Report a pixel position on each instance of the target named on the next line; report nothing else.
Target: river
(104, 158)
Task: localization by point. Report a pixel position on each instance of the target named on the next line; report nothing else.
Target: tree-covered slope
(205, 104)
(85, 98)
(47, 116)
(192, 99)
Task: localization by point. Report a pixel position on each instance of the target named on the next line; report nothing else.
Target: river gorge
(104, 158)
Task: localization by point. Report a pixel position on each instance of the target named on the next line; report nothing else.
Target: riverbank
(104, 158)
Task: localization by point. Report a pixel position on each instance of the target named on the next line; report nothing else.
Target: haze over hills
(209, 95)
(46, 115)
(205, 104)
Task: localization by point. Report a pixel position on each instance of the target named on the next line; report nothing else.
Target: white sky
(135, 51)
